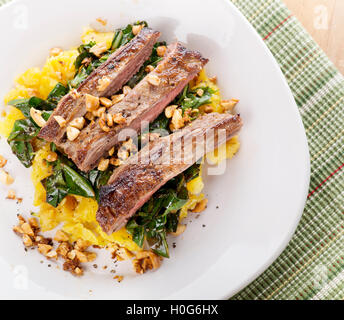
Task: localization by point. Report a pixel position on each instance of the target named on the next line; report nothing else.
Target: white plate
(261, 195)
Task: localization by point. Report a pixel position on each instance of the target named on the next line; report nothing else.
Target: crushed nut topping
(3, 161)
(229, 105)
(103, 83)
(51, 157)
(5, 177)
(72, 133)
(11, 194)
(170, 110)
(103, 164)
(149, 68)
(208, 109)
(118, 118)
(161, 50)
(106, 102)
(103, 125)
(146, 260)
(177, 121)
(92, 102)
(61, 121)
(136, 29)
(36, 115)
(117, 98)
(153, 79)
(111, 151)
(77, 123)
(99, 48)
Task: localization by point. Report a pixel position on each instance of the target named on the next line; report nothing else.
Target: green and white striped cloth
(312, 265)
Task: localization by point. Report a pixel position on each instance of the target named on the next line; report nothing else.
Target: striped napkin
(312, 265)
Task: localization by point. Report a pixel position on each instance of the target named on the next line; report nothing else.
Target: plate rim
(306, 181)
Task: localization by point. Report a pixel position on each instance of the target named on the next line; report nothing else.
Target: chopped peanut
(61, 236)
(229, 105)
(136, 29)
(149, 68)
(51, 157)
(81, 245)
(78, 271)
(92, 102)
(154, 80)
(61, 121)
(27, 229)
(99, 48)
(146, 260)
(72, 133)
(118, 118)
(89, 116)
(161, 50)
(44, 248)
(33, 223)
(103, 125)
(81, 256)
(116, 162)
(109, 120)
(106, 102)
(77, 123)
(170, 110)
(119, 278)
(111, 151)
(18, 229)
(5, 178)
(180, 229)
(3, 161)
(36, 115)
(11, 194)
(63, 249)
(52, 254)
(103, 164)
(103, 83)
(200, 92)
(117, 98)
(27, 241)
(208, 109)
(53, 52)
(91, 256)
(123, 154)
(124, 254)
(213, 80)
(99, 113)
(177, 119)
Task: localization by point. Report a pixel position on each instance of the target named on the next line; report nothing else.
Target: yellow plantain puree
(77, 215)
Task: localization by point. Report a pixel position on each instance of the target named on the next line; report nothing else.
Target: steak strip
(140, 106)
(133, 183)
(119, 68)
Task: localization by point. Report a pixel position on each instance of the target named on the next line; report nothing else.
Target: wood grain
(324, 20)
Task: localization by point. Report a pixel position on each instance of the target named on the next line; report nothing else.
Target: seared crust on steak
(133, 183)
(119, 68)
(140, 106)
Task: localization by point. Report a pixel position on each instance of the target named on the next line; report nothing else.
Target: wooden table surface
(324, 20)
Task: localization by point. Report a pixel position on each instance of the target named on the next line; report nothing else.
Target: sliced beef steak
(133, 183)
(117, 70)
(140, 106)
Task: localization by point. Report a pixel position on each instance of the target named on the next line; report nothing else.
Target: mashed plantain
(77, 215)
